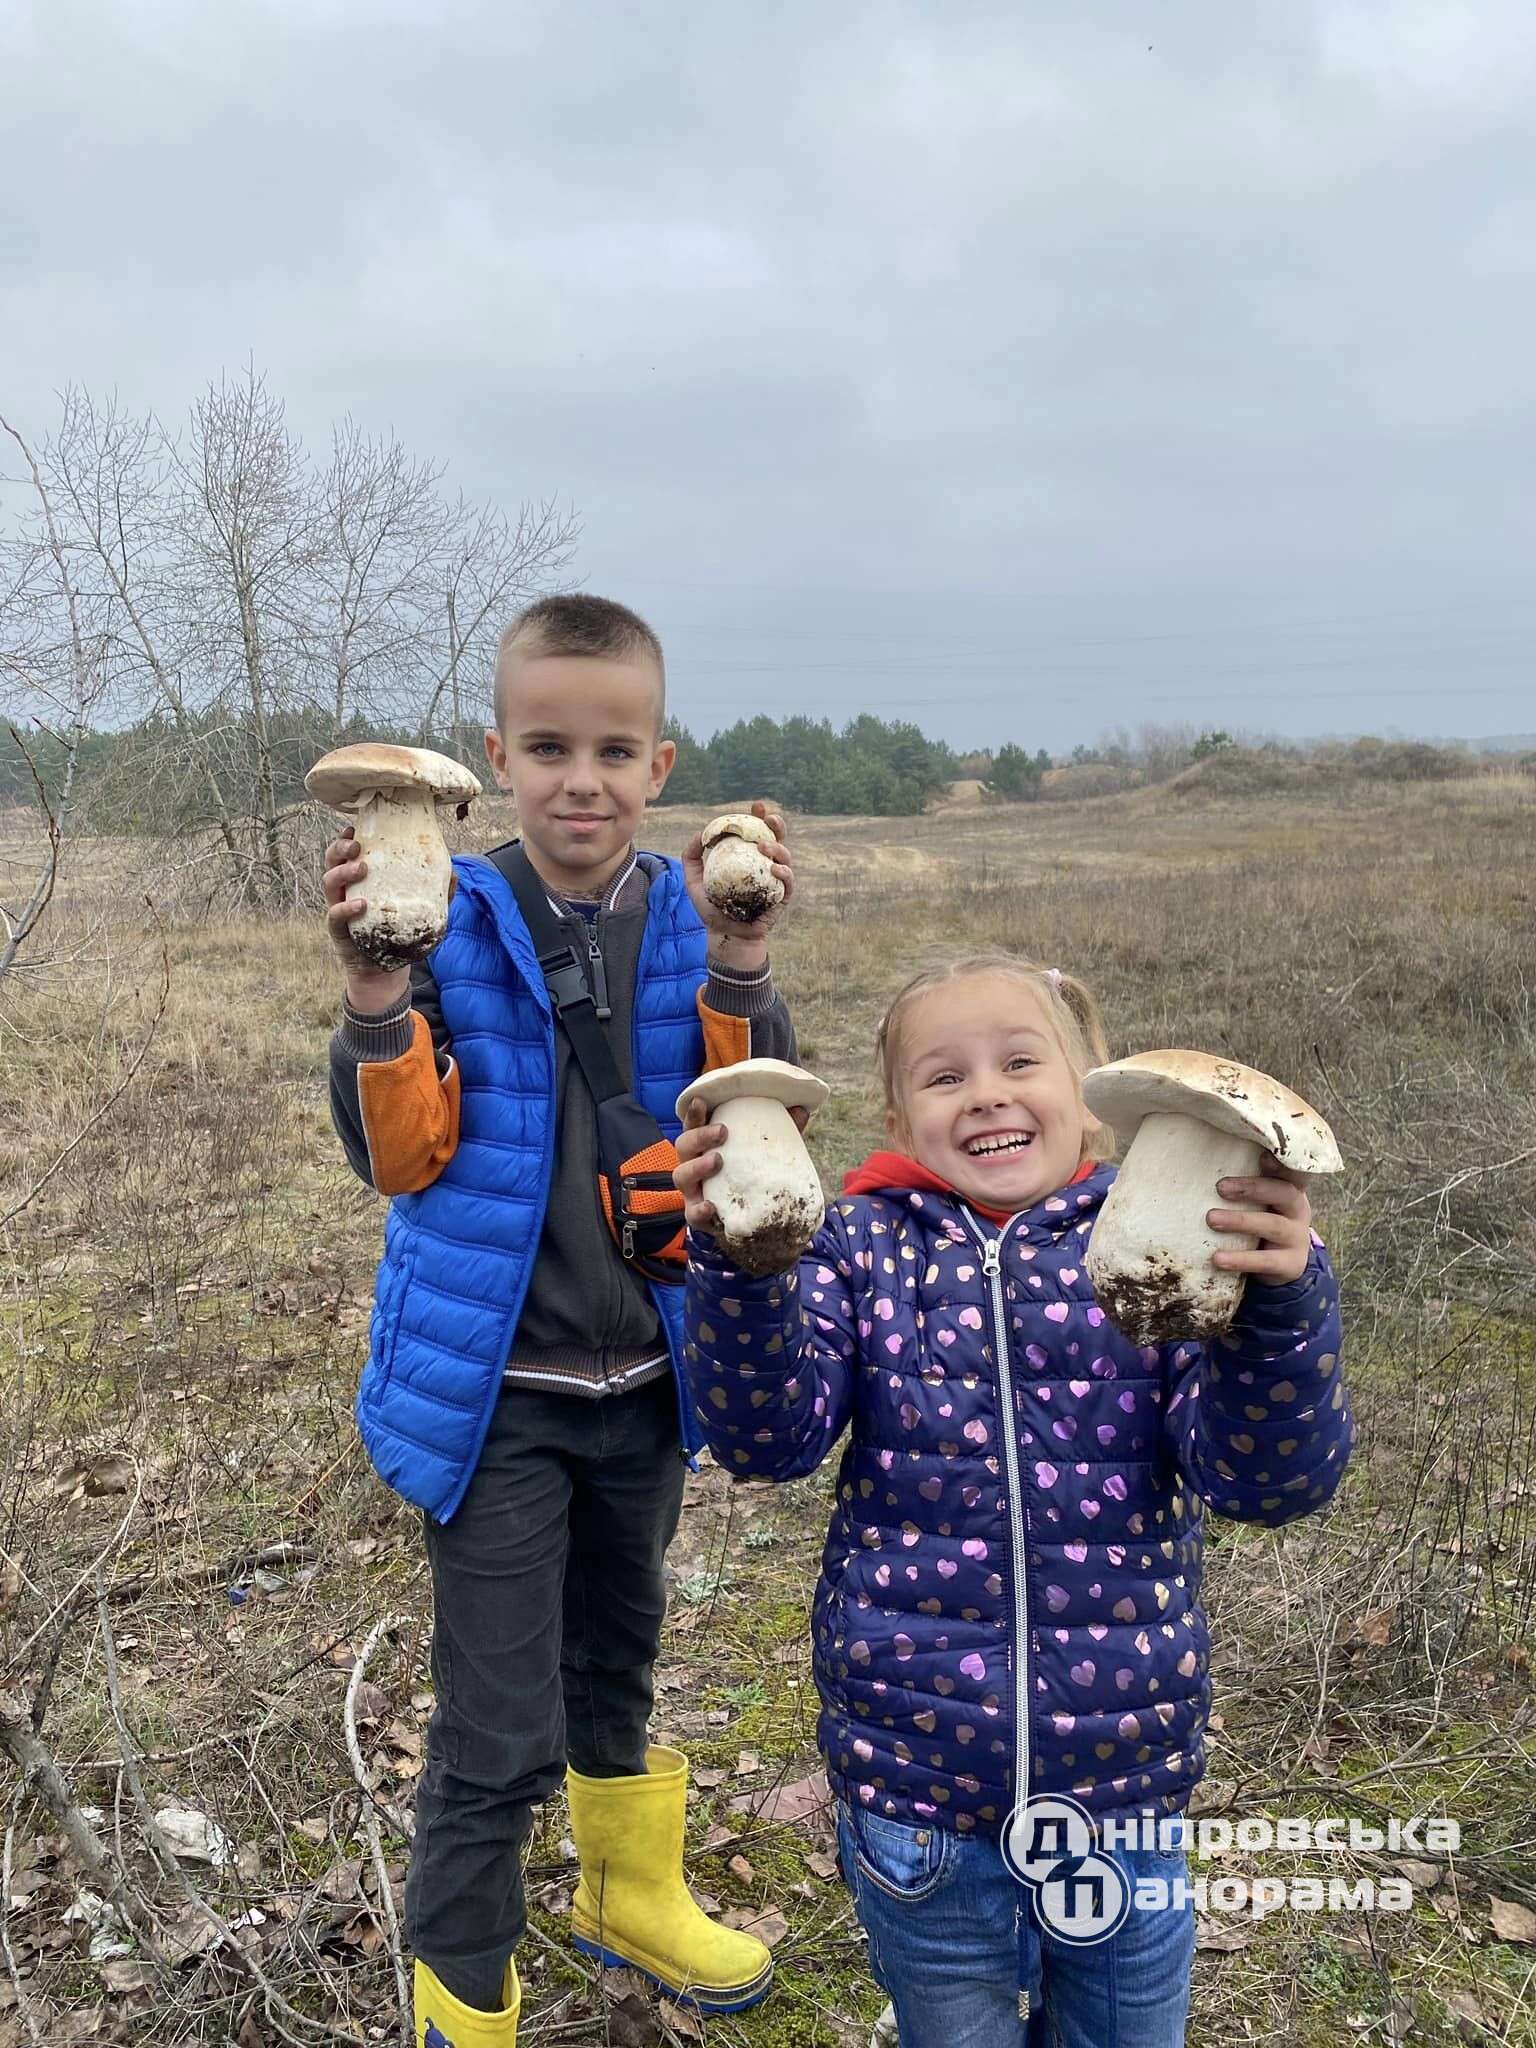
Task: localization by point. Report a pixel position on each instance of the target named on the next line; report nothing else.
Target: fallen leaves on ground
(1211, 1795)
(631, 2022)
(766, 1922)
(372, 1702)
(683, 2020)
(787, 1803)
(1512, 1921)
(1475, 2022)
(1219, 1936)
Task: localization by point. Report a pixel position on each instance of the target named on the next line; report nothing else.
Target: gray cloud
(979, 362)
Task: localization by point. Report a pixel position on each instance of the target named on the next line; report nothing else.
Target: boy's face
(985, 1095)
(579, 749)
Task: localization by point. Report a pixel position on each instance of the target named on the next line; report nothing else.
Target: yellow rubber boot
(443, 2021)
(632, 1906)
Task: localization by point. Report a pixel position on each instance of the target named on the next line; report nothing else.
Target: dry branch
(371, 1807)
(84, 689)
(276, 2007)
(23, 2003)
(220, 1571)
(63, 1610)
(42, 1775)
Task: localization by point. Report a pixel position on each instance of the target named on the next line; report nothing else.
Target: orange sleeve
(410, 1114)
(726, 1039)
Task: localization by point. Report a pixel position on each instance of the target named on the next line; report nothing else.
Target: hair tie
(1053, 976)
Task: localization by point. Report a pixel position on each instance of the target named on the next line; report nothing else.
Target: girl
(1009, 1590)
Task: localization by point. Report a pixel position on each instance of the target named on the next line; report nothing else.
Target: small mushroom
(391, 795)
(766, 1193)
(738, 873)
(1187, 1120)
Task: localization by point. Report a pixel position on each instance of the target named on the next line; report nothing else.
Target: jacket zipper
(992, 1272)
(599, 976)
(595, 962)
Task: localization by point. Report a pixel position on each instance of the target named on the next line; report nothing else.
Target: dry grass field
(194, 1554)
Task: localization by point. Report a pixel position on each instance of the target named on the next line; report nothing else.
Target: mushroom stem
(1149, 1257)
(407, 880)
(766, 1194)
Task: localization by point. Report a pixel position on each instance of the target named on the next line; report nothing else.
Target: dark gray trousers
(548, 1600)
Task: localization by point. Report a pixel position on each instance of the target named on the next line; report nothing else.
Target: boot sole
(734, 1998)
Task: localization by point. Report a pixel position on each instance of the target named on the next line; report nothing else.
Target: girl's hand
(698, 1157)
(732, 944)
(1275, 1210)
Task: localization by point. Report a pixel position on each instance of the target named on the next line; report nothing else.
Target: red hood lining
(895, 1173)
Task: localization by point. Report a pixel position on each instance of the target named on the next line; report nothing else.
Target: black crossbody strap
(566, 979)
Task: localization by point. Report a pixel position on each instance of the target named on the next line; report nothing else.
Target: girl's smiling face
(985, 1094)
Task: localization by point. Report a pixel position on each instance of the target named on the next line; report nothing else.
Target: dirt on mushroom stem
(392, 945)
(747, 902)
(777, 1243)
(1156, 1307)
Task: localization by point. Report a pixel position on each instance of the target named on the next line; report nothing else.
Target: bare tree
(249, 534)
(258, 606)
(384, 527)
(485, 567)
(55, 666)
(111, 474)
(415, 589)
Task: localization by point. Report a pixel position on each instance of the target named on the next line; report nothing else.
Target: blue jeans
(956, 1943)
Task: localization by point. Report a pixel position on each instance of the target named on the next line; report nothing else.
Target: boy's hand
(1275, 1210)
(730, 943)
(369, 988)
(698, 1157)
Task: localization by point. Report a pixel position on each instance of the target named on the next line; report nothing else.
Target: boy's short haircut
(575, 622)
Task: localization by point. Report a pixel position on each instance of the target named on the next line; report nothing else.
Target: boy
(523, 1381)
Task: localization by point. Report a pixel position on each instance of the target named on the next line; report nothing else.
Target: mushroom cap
(1218, 1091)
(775, 1079)
(737, 825)
(341, 777)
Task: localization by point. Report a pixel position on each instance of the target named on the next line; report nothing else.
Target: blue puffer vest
(458, 1255)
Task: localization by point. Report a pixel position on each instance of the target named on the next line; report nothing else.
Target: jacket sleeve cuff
(1293, 1308)
(385, 1035)
(733, 992)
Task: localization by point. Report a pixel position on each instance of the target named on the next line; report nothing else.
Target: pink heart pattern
(890, 1328)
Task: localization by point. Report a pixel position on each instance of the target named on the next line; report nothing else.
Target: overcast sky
(1021, 369)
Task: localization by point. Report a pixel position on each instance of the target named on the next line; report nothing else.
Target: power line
(1411, 621)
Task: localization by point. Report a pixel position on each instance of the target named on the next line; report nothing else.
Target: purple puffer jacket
(956, 1540)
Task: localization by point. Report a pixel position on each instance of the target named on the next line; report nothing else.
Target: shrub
(1017, 775)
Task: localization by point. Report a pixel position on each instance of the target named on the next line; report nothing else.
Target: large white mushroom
(766, 1193)
(391, 795)
(1186, 1120)
(738, 873)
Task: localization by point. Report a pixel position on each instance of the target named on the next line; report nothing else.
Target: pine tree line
(871, 767)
